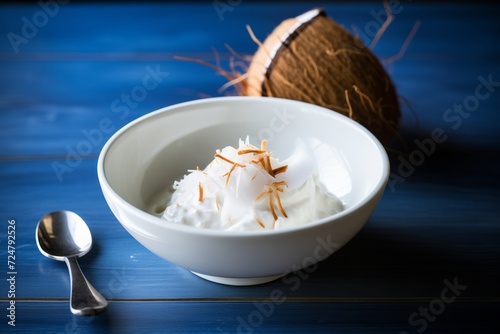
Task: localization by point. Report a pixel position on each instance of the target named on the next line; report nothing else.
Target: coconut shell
(311, 58)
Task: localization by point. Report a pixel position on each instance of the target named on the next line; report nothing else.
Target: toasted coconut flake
(262, 194)
(228, 174)
(279, 170)
(268, 165)
(200, 190)
(263, 145)
(262, 160)
(266, 190)
(218, 155)
(279, 184)
(273, 190)
(280, 207)
(259, 222)
(271, 206)
(217, 203)
(255, 151)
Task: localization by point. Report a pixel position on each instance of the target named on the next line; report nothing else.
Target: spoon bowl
(64, 236)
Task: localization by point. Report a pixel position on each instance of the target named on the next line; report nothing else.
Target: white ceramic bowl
(142, 160)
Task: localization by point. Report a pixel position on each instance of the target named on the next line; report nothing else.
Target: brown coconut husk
(311, 58)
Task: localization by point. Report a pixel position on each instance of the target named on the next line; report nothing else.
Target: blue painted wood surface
(436, 225)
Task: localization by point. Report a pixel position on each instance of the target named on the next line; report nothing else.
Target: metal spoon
(64, 236)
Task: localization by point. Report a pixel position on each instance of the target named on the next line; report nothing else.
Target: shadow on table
(396, 264)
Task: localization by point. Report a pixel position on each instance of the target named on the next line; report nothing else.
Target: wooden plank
(47, 102)
(437, 224)
(261, 316)
(423, 233)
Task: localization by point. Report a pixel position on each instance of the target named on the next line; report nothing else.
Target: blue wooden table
(427, 261)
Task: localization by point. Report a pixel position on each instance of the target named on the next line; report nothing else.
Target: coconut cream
(246, 188)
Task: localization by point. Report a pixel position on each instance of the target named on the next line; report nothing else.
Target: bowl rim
(158, 221)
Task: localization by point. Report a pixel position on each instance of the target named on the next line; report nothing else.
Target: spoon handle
(85, 299)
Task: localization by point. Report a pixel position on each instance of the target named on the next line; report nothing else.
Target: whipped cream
(246, 189)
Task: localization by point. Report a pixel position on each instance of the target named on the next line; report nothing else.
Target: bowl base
(238, 281)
